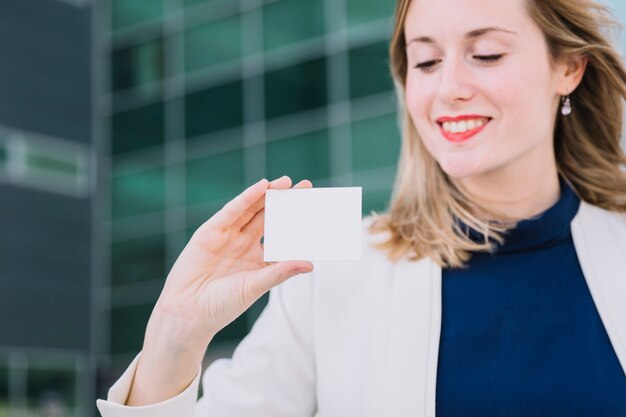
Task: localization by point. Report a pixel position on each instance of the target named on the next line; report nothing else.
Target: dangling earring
(566, 108)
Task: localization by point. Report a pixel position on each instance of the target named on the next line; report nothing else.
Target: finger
(229, 214)
(274, 274)
(234, 209)
(255, 228)
(281, 183)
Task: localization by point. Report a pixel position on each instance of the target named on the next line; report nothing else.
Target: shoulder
(589, 213)
(594, 222)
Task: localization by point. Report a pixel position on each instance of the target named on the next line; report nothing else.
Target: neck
(507, 196)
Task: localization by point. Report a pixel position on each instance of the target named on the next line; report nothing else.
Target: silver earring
(566, 108)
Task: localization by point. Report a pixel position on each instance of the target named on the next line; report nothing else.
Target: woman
(495, 283)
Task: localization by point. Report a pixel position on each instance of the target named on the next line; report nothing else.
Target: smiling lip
(460, 137)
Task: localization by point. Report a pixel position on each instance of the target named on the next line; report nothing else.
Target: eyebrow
(469, 35)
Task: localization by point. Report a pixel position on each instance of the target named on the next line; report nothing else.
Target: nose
(455, 84)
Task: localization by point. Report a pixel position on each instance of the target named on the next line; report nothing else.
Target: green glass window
(128, 325)
(289, 21)
(215, 178)
(377, 200)
(369, 70)
(138, 260)
(194, 2)
(214, 109)
(363, 11)
(301, 157)
(54, 164)
(196, 216)
(3, 153)
(137, 65)
(375, 143)
(138, 193)
(294, 89)
(137, 129)
(51, 391)
(128, 12)
(213, 43)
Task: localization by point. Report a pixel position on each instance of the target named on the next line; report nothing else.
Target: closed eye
(489, 58)
(425, 65)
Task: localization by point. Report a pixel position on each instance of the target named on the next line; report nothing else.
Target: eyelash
(426, 66)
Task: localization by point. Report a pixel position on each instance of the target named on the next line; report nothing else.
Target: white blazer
(360, 338)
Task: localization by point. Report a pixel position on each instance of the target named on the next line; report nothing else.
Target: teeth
(464, 125)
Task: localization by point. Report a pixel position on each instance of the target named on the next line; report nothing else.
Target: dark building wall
(44, 269)
(45, 71)
(45, 85)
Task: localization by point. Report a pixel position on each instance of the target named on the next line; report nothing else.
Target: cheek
(524, 101)
(416, 98)
(420, 98)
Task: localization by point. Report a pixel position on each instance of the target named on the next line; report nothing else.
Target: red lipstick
(460, 137)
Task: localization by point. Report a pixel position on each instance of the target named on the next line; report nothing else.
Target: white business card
(312, 224)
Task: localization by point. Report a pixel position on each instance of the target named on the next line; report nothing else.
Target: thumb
(274, 274)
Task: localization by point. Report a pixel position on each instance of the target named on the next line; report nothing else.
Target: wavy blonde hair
(425, 202)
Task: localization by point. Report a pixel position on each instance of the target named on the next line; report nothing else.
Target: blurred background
(125, 124)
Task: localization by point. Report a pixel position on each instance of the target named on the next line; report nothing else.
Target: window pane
(378, 201)
(214, 109)
(369, 70)
(293, 89)
(51, 392)
(213, 43)
(196, 216)
(375, 143)
(300, 157)
(137, 129)
(193, 2)
(138, 193)
(363, 11)
(128, 12)
(289, 21)
(138, 260)
(3, 153)
(137, 65)
(216, 177)
(52, 164)
(128, 325)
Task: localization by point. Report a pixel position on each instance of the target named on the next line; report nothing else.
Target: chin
(461, 169)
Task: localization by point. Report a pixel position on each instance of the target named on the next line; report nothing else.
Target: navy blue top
(521, 335)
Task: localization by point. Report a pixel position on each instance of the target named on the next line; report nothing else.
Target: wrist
(170, 359)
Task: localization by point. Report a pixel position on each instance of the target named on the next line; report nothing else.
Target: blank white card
(313, 224)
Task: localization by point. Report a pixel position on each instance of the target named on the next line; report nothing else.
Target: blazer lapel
(414, 330)
(600, 240)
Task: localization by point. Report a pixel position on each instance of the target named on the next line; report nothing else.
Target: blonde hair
(425, 202)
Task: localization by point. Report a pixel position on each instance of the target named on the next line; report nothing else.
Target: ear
(570, 73)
